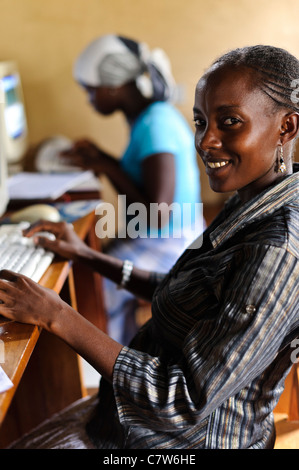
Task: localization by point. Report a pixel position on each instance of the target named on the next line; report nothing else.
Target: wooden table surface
(19, 339)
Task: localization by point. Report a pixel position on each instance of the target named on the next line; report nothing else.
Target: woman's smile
(217, 164)
(218, 169)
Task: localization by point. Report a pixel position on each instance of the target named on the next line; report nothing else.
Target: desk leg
(88, 289)
(89, 301)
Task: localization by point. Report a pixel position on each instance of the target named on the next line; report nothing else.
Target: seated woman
(208, 369)
(158, 166)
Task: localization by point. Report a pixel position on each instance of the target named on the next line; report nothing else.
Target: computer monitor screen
(3, 163)
(14, 112)
(15, 122)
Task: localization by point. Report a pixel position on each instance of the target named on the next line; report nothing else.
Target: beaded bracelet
(126, 273)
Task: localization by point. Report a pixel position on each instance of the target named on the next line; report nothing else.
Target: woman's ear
(289, 127)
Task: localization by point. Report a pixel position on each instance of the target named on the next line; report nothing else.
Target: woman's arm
(158, 179)
(27, 302)
(68, 245)
(158, 174)
(87, 155)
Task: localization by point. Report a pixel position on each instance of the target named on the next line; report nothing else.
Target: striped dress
(209, 367)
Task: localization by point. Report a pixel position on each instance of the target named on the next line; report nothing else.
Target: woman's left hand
(25, 301)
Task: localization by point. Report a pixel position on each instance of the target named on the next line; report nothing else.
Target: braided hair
(277, 72)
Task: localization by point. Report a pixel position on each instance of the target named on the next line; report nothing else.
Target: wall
(45, 37)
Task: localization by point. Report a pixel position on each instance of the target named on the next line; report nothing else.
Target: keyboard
(19, 254)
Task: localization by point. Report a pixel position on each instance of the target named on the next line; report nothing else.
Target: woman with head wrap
(158, 166)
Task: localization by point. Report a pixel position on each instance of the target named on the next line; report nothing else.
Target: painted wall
(45, 38)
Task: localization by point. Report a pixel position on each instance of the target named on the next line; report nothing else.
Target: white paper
(33, 186)
(5, 382)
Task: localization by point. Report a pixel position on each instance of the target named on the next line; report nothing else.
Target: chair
(286, 413)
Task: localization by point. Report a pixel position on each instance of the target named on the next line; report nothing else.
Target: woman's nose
(209, 139)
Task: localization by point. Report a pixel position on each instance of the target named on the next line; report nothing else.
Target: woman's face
(237, 132)
(102, 99)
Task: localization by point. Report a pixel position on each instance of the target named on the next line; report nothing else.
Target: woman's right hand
(86, 155)
(66, 244)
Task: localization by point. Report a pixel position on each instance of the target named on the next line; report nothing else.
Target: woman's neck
(133, 103)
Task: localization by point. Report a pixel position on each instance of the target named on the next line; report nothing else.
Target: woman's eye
(199, 122)
(230, 121)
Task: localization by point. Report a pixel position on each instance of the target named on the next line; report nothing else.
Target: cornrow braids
(277, 72)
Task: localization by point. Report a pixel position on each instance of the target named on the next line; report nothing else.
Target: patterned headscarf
(113, 61)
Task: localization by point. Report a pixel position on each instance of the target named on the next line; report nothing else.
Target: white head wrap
(114, 60)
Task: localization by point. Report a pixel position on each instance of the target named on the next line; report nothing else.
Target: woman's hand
(85, 154)
(67, 243)
(22, 300)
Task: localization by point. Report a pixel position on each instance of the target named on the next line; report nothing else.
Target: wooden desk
(44, 370)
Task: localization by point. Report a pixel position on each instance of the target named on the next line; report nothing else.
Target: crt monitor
(14, 124)
(3, 163)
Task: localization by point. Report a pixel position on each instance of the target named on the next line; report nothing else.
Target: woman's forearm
(88, 341)
(68, 245)
(140, 280)
(123, 183)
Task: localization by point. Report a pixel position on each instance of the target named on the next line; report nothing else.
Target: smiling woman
(243, 131)
(207, 370)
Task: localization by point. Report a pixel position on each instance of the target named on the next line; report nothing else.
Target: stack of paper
(36, 186)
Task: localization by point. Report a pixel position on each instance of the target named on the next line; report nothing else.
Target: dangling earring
(281, 166)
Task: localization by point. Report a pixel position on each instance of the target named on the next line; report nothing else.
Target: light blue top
(162, 128)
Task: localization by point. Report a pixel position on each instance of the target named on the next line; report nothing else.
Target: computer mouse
(36, 212)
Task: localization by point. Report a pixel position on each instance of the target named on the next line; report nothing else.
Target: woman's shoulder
(278, 229)
(162, 111)
(164, 120)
